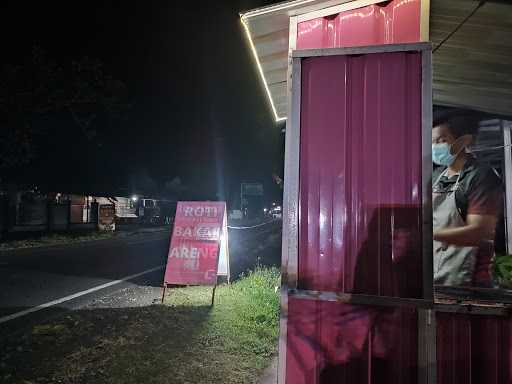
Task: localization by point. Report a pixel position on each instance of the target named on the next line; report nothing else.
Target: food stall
(356, 81)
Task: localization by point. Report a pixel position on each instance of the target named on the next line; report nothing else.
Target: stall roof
(471, 69)
(268, 32)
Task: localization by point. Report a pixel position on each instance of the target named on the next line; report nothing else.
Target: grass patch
(244, 320)
(54, 239)
(183, 341)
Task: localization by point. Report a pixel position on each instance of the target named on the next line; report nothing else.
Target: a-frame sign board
(199, 251)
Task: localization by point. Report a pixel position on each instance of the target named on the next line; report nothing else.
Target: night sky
(194, 95)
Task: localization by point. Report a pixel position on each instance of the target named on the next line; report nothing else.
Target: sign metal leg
(163, 292)
(213, 294)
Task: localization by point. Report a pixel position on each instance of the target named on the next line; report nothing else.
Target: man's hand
(477, 229)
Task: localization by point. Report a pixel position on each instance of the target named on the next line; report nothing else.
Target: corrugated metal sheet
(269, 31)
(391, 22)
(360, 174)
(473, 349)
(470, 70)
(331, 342)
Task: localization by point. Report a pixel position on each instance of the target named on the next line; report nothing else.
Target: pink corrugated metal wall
(334, 343)
(360, 215)
(392, 22)
(360, 218)
(360, 175)
(473, 349)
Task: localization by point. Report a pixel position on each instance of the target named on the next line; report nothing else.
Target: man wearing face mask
(466, 202)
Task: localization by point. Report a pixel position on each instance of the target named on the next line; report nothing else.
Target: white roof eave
(267, 31)
(471, 70)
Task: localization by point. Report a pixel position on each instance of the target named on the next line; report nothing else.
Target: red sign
(195, 245)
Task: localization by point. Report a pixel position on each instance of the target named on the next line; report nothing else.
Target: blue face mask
(441, 154)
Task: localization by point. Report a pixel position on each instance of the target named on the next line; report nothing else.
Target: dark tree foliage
(41, 87)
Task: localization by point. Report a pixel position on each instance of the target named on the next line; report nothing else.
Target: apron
(453, 265)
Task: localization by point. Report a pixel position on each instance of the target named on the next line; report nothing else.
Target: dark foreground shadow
(126, 345)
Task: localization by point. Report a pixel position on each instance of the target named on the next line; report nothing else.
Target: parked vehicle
(148, 211)
(276, 212)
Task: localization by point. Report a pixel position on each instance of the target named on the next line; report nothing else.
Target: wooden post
(69, 213)
(12, 206)
(48, 215)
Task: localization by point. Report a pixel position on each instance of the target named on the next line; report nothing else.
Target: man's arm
(477, 229)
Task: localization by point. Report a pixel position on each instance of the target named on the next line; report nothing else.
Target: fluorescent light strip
(260, 69)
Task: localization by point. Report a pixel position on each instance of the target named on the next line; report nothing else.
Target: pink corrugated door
(360, 219)
(360, 174)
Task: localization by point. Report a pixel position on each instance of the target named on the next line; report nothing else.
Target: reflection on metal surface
(388, 23)
(360, 173)
(330, 342)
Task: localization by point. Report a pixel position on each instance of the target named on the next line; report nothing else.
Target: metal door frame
(290, 249)
(507, 171)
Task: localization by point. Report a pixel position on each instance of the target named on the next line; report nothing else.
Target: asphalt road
(37, 284)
